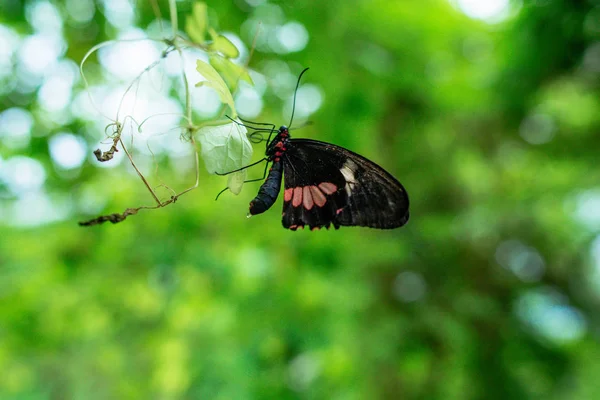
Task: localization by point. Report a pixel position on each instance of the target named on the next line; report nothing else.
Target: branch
(114, 218)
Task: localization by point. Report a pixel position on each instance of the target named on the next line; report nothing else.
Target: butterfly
(326, 185)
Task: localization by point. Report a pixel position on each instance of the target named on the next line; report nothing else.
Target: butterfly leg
(243, 168)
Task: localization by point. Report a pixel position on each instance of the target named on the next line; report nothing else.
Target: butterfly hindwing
(327, 184)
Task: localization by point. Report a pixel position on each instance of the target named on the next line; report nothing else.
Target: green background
(491, 291)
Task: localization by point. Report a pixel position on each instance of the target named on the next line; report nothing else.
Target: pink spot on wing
(293, 227)
(339, 210)
(318, 196)
(297, 197)
(287, 194)
(328, 187)
(307, 198)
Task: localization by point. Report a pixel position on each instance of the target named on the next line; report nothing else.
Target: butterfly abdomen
(268, 192)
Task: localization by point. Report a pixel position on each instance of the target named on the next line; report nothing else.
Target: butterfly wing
(327, 184)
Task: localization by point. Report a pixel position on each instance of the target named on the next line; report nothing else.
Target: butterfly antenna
(296, 92)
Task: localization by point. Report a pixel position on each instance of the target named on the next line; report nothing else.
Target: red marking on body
(307, 198)
(287, 194)
(279, 145)
(297, 197)
(328, 187)
(317, 196)
(276, 159)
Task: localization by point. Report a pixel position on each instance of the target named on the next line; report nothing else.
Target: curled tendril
(256, 137)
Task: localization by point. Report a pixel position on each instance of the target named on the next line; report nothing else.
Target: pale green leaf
(214, 80)
(196, 24)
(225, 148)
(229, 71)
(235, 181)
(213, 34)
(224, 46)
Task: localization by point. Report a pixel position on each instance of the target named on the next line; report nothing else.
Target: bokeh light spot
(308, 100)
(248, 102)
(128, 58)
(587, 209)
(44, 17)
(292, 36)
(15, 128)
(22, 174)
(409, 286)
(537, 128)
(80, 11)
(524, 261)
(119, 13)
(302, 371)
(205, 101)
(9, 41)
(486, 10)
(68, 151)
(547, 313)
(39, 52)
(38, 208)
(55, 94)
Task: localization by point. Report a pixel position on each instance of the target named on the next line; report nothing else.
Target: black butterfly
(326, 184)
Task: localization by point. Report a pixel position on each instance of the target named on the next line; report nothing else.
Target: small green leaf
(213, 34)
(214, 80)
(224, 46)
(196, 24)
(226, 148)
(236, 181)
(229, 71)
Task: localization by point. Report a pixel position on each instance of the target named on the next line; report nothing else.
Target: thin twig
(253, 43)
(157, 14)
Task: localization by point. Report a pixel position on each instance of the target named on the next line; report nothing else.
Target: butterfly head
(279, 144)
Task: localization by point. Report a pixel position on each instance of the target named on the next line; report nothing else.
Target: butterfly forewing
(327, 184)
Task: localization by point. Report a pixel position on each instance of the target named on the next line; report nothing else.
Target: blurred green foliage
(490, 292)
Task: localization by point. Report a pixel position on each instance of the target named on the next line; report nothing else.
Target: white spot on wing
(347, 171)
(348, 174)
(349, 189)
